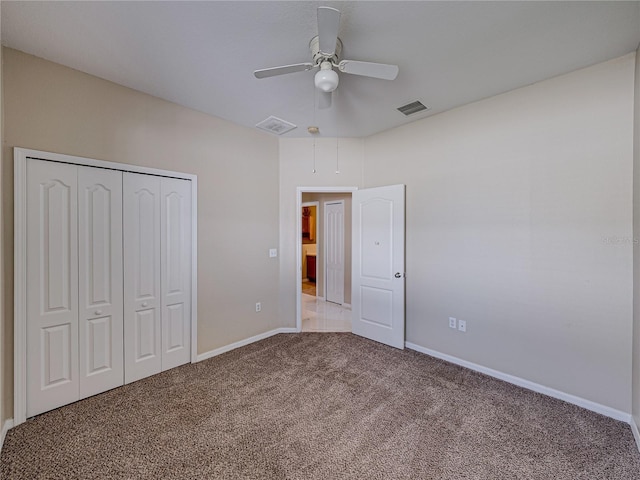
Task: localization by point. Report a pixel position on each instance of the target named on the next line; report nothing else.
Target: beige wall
(515, 210)
(327, 197)
(53, 108)
(296, 165)
(519, 221)
(636, 251)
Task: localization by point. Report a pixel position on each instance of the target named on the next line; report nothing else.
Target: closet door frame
(20, 156)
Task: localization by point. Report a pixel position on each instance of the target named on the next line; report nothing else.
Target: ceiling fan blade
(368, 69)
(328, 25)
(324, 100)
(272, 72)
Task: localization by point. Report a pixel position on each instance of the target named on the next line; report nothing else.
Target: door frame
(299, 192)
(324, 247)
(20, 156)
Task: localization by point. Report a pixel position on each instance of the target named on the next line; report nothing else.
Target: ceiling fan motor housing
(319, 57)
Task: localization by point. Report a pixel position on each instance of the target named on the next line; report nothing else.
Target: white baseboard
(6, 426)
(636, 432)
(521, 382)
(242, 343)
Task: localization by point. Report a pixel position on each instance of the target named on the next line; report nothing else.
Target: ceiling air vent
(275, 125)
(413, 107)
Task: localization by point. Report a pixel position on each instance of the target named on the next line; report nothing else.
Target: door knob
(145, 304)
(398, 275)
(98, 312)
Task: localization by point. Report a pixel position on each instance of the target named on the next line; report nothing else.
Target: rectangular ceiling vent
(413, 107)
(275, 125)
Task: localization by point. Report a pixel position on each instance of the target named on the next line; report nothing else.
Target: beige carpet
(320, 406)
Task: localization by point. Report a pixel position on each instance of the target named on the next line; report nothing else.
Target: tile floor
(309, 287)
(321, 316)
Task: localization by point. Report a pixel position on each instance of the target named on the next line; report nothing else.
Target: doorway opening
(310, 226)
(324, 259)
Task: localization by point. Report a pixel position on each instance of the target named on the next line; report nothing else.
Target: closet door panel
(176, 272)
(52, 283)
(100, 280)
(142, 298)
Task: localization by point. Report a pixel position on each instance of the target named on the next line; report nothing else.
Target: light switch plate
(273, 252)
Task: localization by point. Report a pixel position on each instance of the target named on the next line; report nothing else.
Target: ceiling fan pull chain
(337, 150)
(337, 144)
(315, 93)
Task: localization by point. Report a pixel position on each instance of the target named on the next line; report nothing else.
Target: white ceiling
(202, 54)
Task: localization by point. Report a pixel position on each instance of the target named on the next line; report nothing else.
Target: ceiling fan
(326, 48)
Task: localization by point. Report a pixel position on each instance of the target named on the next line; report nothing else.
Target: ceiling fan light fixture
(326, 79)
(326, 50)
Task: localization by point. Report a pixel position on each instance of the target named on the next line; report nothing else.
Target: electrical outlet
(452, 322)
(258, 307)
(462, 325)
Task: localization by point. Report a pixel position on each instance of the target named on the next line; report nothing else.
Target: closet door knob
(145, 304)
(98, 312)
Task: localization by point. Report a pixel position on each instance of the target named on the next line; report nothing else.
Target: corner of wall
(2, 416)
(636, 431)
(635, 371)
(635, 404)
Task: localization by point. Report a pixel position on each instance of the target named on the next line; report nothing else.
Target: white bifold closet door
(52, 283)
(100, 280)
(74, 279)
(175, 278)
(157, 250)
(108, 279)
(142, 313)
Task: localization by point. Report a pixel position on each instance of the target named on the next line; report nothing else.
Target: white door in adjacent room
(378, 264)
(334, 251)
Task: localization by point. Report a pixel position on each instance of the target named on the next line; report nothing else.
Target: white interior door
(378, 264)
(52, 286)
(334, 251)
(175, 271)
(142, 304)
(100, 280)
